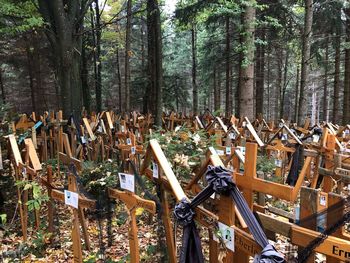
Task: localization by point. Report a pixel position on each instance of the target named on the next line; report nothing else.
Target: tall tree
(2, 88)
(64, 32)
(260, 73)
(98, 77)
(155, 67)
(336, 86)
(194, 69)
(127, 56)
(346, 100)
(246, 105)
(228, 108)
(305, 63)
(325, 84)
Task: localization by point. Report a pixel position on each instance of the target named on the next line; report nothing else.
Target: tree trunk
(268, 113)
(3, 97)
(336, 89)
(304, 78)
(296, 95)
(84, 81)
(346, 101)
(325, 84)
(285, 84)
(30, 60)
(127, 57)
(247, 64)
(155, 59)
(64, 33)
(228, 107)
(194, 70)
(216, 90)
(260, 75)
(98, 57)
(119, 79)
(94, 44)
(278, 88)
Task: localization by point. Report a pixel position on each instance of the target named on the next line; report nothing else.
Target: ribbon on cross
(219, 181)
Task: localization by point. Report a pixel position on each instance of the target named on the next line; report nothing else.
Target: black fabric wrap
(219, 181)
(297, 163)
(191, 250)
(269, 255)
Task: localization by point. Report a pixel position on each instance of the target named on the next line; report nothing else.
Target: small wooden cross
(132, 202)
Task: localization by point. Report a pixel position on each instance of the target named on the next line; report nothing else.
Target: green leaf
(27, 186)
(3, 218)
(36, 205)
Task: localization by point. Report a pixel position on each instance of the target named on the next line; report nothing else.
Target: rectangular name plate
(71, 198)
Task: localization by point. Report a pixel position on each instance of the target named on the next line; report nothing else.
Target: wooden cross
(78, 214)
(168, 181)
(225, 207)
(250, 182)
(281, 150)
(25, 170)
(133, 202)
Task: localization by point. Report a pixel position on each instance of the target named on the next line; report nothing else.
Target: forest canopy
(279, 59)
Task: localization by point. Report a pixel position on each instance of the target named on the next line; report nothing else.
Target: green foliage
(3, 219)
(265, 165)
(40, 242)
(99, 177)
(184, 149)
(17, 17)
(37, 196)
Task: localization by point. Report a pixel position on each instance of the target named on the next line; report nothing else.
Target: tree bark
(268, 110)
(64, 34)
(304, 78)
(325, 84)
(296, 99)
(98, 58)
(346, 101)
(216, 90)
(127, 57)
(194, 70)
(336, 87)
(260, 75)
(30, 61)
(285, 84)
(278, 88)
(228, 107)
(3, 97)
(119, 80)
(155, 66)
(84, 80)
(247, 65)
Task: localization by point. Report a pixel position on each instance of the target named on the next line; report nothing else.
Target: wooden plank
(164, 164)
(253, 132)
(332, 246)
(66, 144)
(83, 202)
(88, 129)
(109, 120)
(33, 157)
(68, 160)
(15, 150)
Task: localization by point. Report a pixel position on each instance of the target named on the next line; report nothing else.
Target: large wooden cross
(169, 183)
(133, 202)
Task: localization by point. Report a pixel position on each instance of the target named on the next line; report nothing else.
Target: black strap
(219, 181)
(297, 161)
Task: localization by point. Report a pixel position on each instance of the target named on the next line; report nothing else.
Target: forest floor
(43, 247)
(58, 247)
